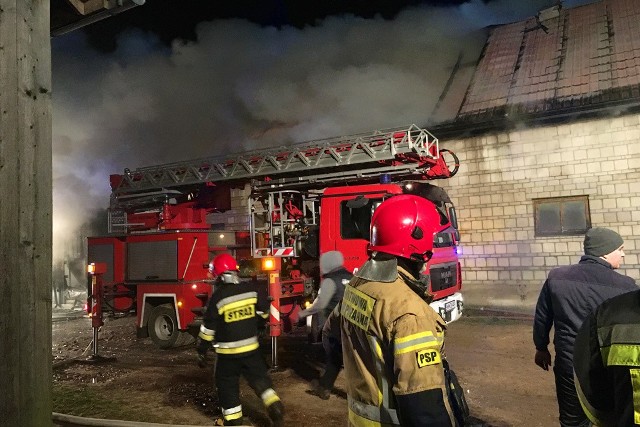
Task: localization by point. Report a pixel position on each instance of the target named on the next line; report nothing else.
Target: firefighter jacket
(393, 350)
(568, 296)
(232, 318)
(607, 362)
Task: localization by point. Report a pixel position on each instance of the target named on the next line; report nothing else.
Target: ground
(492, 356)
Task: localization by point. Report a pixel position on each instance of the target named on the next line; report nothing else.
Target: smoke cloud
(242, 87)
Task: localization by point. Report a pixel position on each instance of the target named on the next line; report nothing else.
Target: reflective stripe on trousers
(363, 415)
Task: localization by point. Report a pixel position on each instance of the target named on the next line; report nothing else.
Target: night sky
(177, 19)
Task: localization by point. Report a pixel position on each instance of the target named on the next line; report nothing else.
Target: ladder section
(282, 223)
(360, 154)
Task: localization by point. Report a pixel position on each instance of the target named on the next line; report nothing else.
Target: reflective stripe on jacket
(392, 348)
(607, 362)
(231, 317)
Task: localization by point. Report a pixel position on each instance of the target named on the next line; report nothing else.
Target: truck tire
(163, 327)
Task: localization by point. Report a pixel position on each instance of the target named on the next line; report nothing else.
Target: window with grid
(562, 216)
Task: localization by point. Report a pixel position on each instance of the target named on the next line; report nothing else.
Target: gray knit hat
(601, 241)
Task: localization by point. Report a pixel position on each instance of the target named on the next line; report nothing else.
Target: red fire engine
(306, 199)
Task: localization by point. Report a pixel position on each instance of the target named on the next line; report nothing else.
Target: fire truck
(305, 199)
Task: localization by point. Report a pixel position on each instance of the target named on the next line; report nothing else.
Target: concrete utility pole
(25, 213)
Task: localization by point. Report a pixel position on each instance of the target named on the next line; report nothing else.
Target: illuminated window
(562, 216)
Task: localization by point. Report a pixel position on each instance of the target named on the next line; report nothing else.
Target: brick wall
(504, 264)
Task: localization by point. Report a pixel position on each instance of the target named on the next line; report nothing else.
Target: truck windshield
(355, 221)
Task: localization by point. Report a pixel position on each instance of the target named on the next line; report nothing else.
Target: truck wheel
(163, 326)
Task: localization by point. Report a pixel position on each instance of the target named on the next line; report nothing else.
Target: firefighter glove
(203, 346)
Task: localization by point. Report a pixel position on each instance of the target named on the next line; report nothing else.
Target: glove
(302, 321)
(543, 359)
(203, 346)
(202, 360)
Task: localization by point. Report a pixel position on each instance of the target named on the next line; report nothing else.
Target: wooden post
(25, 213)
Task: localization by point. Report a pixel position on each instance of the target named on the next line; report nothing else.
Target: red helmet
(222, 263)
(404, 226)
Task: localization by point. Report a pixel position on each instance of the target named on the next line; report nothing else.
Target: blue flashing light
(385, 178)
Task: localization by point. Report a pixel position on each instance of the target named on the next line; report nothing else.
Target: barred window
(562, 216)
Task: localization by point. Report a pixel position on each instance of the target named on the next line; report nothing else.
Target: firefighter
(392, 339)
(606, 362)
(231, 321)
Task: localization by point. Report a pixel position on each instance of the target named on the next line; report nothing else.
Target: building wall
(504, 264)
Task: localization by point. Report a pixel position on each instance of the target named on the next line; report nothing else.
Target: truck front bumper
(450, 308)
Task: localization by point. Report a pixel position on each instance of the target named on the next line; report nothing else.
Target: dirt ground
(493, 357)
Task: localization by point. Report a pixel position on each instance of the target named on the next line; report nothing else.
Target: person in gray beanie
(568, 296)
(334, 279)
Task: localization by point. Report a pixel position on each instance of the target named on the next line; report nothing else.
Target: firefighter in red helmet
(231, 321)
(392, 340)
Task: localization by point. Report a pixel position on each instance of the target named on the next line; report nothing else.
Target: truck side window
(355, 217)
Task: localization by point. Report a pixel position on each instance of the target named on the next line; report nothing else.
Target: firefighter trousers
(253, 368)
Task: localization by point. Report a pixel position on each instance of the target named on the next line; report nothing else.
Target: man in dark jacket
(606, 361)
(567, 297)
(334, 279)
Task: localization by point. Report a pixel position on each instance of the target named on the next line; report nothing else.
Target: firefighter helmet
(222, 263)
(404, 226)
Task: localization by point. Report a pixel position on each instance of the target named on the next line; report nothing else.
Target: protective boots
(276, 413)
(318, 390)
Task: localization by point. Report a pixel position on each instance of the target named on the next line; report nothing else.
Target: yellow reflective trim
(358, 421)
(237, 304)
(379, 364)
(635, 385)
(416, 347)
(271, 400)
(205, 337)
(237, 350)
(377, 349)
(620, 355)
(233, 416)
(413, 337)
(415, 342)
(592, 413)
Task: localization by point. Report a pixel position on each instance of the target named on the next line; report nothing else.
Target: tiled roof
(572, 58)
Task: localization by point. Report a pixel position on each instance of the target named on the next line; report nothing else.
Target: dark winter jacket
(568, 296)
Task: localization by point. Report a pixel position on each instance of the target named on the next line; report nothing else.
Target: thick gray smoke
(242, 87)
